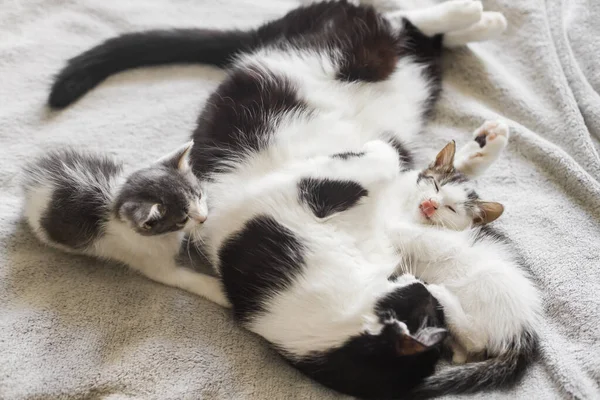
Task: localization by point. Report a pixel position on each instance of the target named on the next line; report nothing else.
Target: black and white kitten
(84, 203)
(329, 78)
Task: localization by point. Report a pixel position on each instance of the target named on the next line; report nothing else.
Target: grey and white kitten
(85, 204)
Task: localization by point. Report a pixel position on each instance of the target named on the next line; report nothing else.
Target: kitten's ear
(445, 158)
(180, 158)
(488, 211)
(142, 214)
(425, 339)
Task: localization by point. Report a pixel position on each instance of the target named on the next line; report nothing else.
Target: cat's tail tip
(69, 85)
(494, 373)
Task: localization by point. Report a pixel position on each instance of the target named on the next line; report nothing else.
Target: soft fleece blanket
(74, 328)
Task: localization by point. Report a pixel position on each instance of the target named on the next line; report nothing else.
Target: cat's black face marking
(166, 187)
(262, 258)
(328, 196)
(76, 213)
(372, 366)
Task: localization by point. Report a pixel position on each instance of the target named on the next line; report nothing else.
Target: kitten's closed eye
(451, 209)
(182, 223)
(149, 224)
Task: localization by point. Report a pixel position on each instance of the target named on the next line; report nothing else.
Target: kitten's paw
(489, 140)
(459, 355)
(490, 26)
(492, 137)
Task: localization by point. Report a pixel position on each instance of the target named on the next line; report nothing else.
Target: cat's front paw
(383, 156)
(489, 140)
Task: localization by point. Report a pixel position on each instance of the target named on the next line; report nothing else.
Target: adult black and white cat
(84, 203)
(324, 79)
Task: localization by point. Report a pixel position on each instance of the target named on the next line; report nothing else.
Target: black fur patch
(367, 366)
(348, 154)
(238, 119)
(409, 304)
(77, 211)
(261, 259)
(327, 196)
(481, 140)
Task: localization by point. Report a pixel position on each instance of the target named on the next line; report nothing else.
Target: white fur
(153, 256)
(350, 255)
(488, 299)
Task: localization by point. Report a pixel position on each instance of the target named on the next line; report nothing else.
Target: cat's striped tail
(132, 50)
(494, 373)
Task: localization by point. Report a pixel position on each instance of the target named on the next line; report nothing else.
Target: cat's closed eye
(451, 209)
(149, 225)
(183, 221)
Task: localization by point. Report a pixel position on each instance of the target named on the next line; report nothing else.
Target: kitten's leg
(491, 25)
(459, 324)
(194, 282)
(478, 155)
(442, 18)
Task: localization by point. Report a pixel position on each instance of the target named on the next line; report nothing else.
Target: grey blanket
(73, 328)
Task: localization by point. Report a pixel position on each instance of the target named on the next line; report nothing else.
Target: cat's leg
(461, 326)
(490, 26)
(199, 284)
(333, 184)
(375, 163)
(442, 18)
(489, 140)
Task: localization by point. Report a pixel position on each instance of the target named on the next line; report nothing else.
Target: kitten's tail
(494, 373)
(148, 48)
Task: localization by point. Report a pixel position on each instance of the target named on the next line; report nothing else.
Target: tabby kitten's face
(444, 196)
(165, 197)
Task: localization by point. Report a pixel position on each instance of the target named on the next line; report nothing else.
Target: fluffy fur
(84, 203)
(328, 99)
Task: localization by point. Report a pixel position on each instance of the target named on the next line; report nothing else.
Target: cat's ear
(488, 211)
(180, 158)
(425, 339)
(142, 214)
(445, 158)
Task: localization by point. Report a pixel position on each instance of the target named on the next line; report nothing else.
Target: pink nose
(428, 207)
(199, 218)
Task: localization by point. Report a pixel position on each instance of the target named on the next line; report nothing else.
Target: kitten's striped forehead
(446, 175)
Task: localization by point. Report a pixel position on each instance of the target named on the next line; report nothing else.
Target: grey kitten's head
(444, 196)
(165, 197)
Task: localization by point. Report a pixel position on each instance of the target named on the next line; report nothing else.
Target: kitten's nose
(428, 207)
(199, 218)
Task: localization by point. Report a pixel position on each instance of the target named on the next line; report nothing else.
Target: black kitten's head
(164, 197)
(390, 357)
(412, 319)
